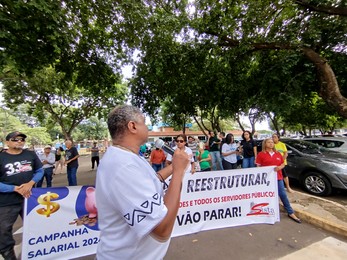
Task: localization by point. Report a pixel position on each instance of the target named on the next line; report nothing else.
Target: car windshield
(305, 147)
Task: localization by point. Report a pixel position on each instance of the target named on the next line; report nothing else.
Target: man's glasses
(17, 140)
(180, 141)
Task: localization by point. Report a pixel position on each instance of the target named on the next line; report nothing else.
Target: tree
(38, 136)
(314, 114)
(319, 7)
(190, 49)
(10, 123)
(32, 35)
(273, 25)
(36, 34)
(235, 32)
(94, 129)
(67, 102)
(190, 80)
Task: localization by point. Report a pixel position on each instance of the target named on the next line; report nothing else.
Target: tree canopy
(61, 58)
(208, 59)
(232, 56)
(67, 102)
(9, 123)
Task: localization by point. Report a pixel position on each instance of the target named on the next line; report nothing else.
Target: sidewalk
(320, 212)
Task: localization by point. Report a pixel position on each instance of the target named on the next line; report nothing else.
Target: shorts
(284, 172)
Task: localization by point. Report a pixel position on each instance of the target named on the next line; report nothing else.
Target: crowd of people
(127, 185)
(219, 152)
(223, 153)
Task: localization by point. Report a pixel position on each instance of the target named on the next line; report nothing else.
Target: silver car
(338, 144)
(319, 170)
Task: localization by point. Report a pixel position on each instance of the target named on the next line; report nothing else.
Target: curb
(322, 223)
(319, 222)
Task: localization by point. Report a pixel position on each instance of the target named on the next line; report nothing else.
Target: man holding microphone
(135, 216)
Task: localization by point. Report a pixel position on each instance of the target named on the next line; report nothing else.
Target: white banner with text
(219, 199)
(61, 222)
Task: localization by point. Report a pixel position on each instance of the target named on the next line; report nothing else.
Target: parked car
(338, 144)
(318, 169)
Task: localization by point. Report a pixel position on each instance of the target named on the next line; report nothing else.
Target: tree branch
(322, 8)
(200, 126)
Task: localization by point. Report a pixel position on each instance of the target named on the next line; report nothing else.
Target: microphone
(161, 144)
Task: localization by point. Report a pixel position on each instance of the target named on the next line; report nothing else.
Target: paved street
(285, 239)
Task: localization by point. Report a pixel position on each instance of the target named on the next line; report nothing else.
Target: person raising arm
(135, 215)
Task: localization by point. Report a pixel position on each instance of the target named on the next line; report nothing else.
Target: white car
(338, 144)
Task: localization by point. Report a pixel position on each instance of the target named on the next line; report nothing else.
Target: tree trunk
(284, 131)
(200, 126)
(329, 88)
(274, 122)
(239, 122)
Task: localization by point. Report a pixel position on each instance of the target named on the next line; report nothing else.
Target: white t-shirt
(50, 158)
(129, 199)
(227, 148)
(190, 154)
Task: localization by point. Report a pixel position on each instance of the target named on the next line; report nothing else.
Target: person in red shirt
(157, 159)
(270, 157)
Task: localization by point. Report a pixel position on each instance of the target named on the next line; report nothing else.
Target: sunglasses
(17, 140)
(180, 141)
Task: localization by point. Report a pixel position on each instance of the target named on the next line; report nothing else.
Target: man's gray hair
(119, 118)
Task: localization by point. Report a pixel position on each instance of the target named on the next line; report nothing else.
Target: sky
(126, 71)
(262, 125)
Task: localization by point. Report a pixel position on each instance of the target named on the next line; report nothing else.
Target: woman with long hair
(249, 148)
(229, 152)
(59, 160)
(269, 157)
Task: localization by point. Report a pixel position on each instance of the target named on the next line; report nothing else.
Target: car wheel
(317, 184)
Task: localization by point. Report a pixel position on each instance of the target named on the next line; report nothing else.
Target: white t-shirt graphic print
(129, 199)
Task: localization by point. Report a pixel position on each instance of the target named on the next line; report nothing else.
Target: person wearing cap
(48, 160)
(20, 169)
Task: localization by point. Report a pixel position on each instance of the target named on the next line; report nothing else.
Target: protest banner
(219, 199)
(61, 222)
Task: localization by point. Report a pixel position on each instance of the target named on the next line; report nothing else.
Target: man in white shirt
(135, 217)
(48, 161)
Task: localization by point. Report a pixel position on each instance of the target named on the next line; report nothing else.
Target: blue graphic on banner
(60, 223)
(37, 192)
